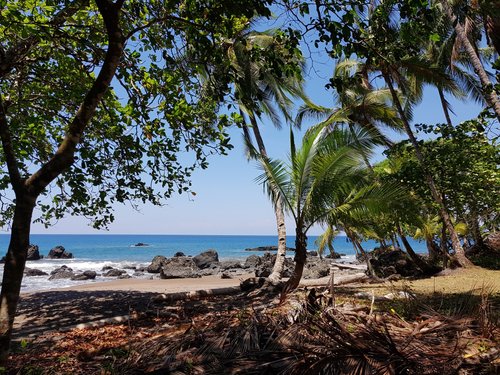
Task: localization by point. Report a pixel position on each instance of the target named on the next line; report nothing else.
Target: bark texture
(300, 259)
(279, 264)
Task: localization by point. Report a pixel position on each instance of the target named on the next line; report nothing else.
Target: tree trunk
(489, 94)
(459, 251)
(300, 259)
(493, 25)
(359, 250)
(475, 228)
(444, 246)
(279, 264)
(15, 262)
(420, 263)
(432, 249)
(444, 105)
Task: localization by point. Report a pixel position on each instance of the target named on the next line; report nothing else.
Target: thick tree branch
(8, 150)
(64, 155)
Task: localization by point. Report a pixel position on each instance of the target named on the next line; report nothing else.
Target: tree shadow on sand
(46, 311)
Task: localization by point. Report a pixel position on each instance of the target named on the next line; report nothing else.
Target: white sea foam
(40, 283)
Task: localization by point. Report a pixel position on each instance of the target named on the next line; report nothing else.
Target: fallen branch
(196, 294)
(339, 280)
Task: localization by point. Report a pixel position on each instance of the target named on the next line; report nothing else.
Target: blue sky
(228, 200)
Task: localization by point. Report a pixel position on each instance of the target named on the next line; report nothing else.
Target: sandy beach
(157, 285)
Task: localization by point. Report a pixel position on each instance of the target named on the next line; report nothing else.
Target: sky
(228, 200)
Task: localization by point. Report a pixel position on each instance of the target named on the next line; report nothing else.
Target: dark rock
(316, 269)
(62, 272)
(29, 272)
(179, 254)
(386, 263)
(250, 284)
(252, 261)
(114, 273)
(230, 264)
(60, 269)
(179, 268)
(86, 275)
(128, 267)
(225, 275)
(124, 276)
(106, 268)
(268, 248)
(138, 274)
(156, 264)
(334, 256)
(33, 253)
(140, 244)
(90, 274)
(312, 254)
(59, 252)
(266, 265)
(141, 269)
(207, 259)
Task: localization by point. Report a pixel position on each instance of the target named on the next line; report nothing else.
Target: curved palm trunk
(489, 94)
(444, 105)
(15, 262)
(359, 250)
(420, 263)
(459, 251)
(300, 259)
(432, 248)
(279, 263)
(444, 246)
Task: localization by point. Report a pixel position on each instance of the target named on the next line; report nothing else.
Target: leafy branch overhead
(51, 56)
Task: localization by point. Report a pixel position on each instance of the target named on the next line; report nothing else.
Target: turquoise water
(120, 247)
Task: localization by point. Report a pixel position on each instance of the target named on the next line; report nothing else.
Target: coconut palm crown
(328, 165)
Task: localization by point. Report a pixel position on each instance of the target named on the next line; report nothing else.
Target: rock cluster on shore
(182, 266)
(58, 252)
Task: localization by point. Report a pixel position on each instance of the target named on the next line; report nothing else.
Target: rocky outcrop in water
(207, 259)
(33, 253)
(179, 268)
(59, 252)
(63, 272)
(29, 272)
(86, 275)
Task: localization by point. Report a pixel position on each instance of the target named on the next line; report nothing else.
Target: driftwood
(339, 280)
(344, 266)
(195, 294)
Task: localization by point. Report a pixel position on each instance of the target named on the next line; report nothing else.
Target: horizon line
(155, 234)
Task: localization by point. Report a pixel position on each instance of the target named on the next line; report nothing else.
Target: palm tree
(359, 104)
(327, 166)
(326, 240)
(260, 91)
(493, 23)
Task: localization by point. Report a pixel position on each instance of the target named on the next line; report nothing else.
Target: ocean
(93, 252)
